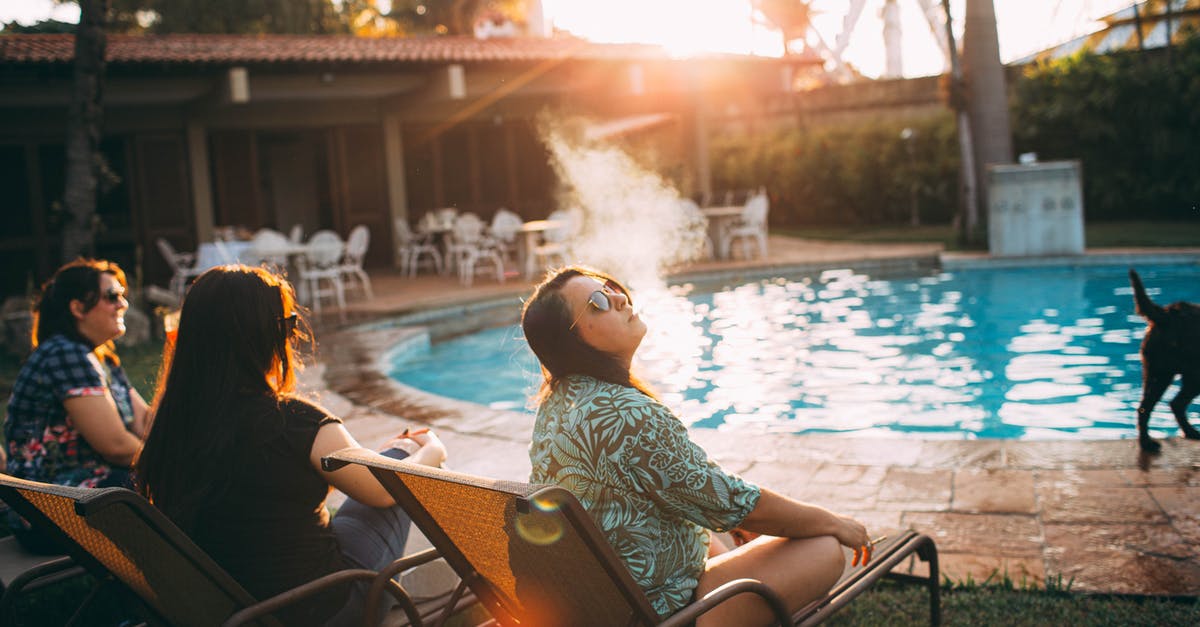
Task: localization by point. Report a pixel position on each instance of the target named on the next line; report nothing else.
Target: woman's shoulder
(61, 353)
(306, 410)
(583, 390)
(58, 345)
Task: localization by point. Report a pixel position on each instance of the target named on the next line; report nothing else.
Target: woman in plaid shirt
(73, 418)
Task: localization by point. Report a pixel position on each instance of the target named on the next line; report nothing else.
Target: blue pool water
(1036, 353)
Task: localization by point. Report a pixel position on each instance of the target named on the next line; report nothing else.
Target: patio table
(718, 218)
(532, 231)
(209, 255)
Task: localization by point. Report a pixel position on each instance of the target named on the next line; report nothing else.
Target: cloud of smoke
(630, 222)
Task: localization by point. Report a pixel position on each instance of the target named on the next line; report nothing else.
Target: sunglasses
(600, 300)
(113, 295)
(288, 324)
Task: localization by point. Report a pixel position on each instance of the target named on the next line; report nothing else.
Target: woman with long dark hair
(603, 434)
(73, 418)
(233, 454)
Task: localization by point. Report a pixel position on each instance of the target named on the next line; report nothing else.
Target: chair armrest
(384, 577)
(299, 593)
(43, 574)
(727, 591)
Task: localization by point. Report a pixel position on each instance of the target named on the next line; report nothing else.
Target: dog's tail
(1145, 307)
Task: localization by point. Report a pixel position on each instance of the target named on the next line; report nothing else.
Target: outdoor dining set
(447, 240)
(325, 265)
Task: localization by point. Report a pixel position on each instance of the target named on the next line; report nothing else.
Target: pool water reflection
(1037, 353)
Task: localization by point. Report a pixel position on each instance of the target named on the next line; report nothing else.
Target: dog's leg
(1189, 388)
(1153, 386)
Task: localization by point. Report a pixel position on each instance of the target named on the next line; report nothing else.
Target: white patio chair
(183, 266)
(296, 235)
(471, 245)
(411, 246)
(553, 251)
(321, 261)
(506, 225)
(352, 260)
(752, 225)
(269, 247)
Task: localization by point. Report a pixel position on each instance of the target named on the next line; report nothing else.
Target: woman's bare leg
(715, 545)
(799, 570)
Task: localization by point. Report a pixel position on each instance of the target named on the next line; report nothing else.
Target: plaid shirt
(43, 445)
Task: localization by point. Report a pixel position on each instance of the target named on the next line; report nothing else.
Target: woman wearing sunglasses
(73, 418)
(233, 456)
(602, 434)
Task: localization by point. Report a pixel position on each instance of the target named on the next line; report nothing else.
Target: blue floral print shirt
(653, 492)
(43, 445)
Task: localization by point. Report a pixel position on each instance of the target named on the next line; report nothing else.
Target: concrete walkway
(1098, 515)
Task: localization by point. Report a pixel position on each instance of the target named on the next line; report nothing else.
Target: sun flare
(683, 27)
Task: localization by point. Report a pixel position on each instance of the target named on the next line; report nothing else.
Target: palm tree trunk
(987, 98)
(84, 131)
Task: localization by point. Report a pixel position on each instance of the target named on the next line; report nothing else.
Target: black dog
(1171, 347)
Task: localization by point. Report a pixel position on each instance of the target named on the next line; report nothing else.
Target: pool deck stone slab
(1098, 514)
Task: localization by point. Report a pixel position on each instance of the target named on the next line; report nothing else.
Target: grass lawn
(1096, 235)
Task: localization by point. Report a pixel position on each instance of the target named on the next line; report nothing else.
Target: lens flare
(539, 527)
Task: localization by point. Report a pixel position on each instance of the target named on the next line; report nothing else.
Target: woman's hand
(741, 536)
(853, 535)
(423, 446)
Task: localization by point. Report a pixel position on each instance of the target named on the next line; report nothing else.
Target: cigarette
(878, 540)
(408, 434)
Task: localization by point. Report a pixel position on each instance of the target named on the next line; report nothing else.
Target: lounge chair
(533, 556)
(114, 532)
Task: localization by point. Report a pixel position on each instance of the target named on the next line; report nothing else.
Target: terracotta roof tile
(236, 49)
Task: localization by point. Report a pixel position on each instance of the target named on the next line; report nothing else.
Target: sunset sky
(689, 26)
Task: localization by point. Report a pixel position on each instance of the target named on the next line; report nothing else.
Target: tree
(791, 17)
(302, 17)
(39, 28)
(450, 17)
(84, 118)
(987, 97)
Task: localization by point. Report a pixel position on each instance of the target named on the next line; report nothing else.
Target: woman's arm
(99, 423)
(356, 481)
(140, 411)
(778, 515)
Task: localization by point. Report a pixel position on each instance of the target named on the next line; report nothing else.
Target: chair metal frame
(115, 533)
(568, 515)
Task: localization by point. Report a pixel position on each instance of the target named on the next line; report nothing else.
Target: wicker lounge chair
(533, 556)
(114, 532)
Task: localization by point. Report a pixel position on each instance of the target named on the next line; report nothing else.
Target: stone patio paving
(1097, 514)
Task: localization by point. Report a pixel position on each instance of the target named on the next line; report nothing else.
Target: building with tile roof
(258, 131)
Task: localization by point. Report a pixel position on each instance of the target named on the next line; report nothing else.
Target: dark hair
(546, 321)
(76, 280)
(233, 340)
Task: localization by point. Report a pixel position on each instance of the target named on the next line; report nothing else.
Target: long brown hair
(546, 321)
(234, 340)
(75, 280)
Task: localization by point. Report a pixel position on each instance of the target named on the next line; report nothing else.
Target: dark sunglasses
(288, 324)
(600, 301)
(113, 295)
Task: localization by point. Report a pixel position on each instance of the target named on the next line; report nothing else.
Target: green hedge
(861, 174)
(1133, 119)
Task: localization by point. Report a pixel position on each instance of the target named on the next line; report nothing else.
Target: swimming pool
(1025, 353)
